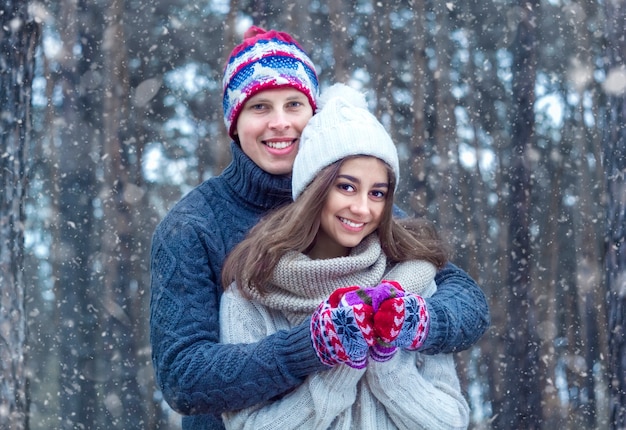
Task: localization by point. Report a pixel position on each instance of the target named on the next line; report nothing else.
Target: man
(270, 93)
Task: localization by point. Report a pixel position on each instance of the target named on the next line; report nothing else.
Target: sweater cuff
(437, 330)
(299, 357)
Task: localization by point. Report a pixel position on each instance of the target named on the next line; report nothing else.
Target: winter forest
(509, 117)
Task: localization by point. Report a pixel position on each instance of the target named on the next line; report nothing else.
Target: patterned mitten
(374, 296)
(381, 351)
(402, 322)
(342, 332)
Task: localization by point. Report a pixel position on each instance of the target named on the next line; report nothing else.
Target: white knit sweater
(411, 391)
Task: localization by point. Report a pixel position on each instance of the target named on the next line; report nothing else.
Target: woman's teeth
(350, 223)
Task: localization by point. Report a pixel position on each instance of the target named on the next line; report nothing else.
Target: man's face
(269, 128)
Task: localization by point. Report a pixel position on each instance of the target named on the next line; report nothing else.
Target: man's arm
(459, 313)
(196, 373)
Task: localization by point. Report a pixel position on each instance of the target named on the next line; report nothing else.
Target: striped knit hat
(265, 60)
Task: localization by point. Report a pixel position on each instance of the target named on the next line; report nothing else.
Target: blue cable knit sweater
(201, 378)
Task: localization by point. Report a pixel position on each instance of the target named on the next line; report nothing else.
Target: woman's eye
(379, 194)
(346, 187)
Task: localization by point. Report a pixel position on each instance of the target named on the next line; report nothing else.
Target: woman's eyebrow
(358, 181)
(350, 178)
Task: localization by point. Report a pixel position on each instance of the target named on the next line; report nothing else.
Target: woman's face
(269, 128)
(353, 207)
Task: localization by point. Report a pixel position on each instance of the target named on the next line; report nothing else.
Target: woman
(339, 232)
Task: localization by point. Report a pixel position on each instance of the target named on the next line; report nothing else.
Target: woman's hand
(342, 331)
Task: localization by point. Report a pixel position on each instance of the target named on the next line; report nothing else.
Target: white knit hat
(341, 127)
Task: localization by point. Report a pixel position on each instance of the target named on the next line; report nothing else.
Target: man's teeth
(350, 223)
(278, 145)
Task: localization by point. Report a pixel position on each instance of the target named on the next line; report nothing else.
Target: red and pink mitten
(342, 332)
(401, 321)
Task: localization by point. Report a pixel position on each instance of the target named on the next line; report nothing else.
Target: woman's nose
(360, 204)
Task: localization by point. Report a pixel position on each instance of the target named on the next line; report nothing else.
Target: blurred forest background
(510, 120)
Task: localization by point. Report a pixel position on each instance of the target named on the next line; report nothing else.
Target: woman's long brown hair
(294, 227)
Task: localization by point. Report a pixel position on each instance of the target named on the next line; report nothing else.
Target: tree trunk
(73, 178)
(124, 401)
(614, 146)
(522, 403)
(417, 160)
(380, 70)
(444, 134)
(339, 37)
(18, 41)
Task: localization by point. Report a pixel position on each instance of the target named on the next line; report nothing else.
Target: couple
(295, 343)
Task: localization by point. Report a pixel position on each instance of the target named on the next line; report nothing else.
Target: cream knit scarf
(300, 284)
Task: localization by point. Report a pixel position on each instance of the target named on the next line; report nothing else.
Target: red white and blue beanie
(342, 127)
(265, 60)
